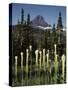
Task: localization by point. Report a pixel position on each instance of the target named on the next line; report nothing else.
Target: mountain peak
(39, 21)
(39, 17)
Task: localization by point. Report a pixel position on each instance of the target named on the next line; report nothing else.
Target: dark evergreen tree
(28, 19)
(59, 25)
(53, 27)
(22, 16)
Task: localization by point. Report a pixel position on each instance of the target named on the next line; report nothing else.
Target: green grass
(38, 78)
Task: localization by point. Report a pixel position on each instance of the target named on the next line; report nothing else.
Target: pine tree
(22, 16)
(53, 27)
(59, 25)
(28, 19)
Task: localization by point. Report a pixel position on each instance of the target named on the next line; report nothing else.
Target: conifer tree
(28, 19)
(53, 27)
(59, 24)
(22, 16)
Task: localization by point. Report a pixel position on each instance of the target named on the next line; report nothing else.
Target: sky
(50, 13)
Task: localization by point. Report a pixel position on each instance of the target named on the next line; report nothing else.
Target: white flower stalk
(36, 53)
(30, 47)
(16, 67)
(63, 65)
(55, 48)
(55, 52)
(21, 60)
(22, 65)
(56, 67)
(40, 58)
(44, 59)
(47, 60)
(27, 57)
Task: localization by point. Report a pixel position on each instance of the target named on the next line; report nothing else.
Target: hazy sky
(50, 13)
